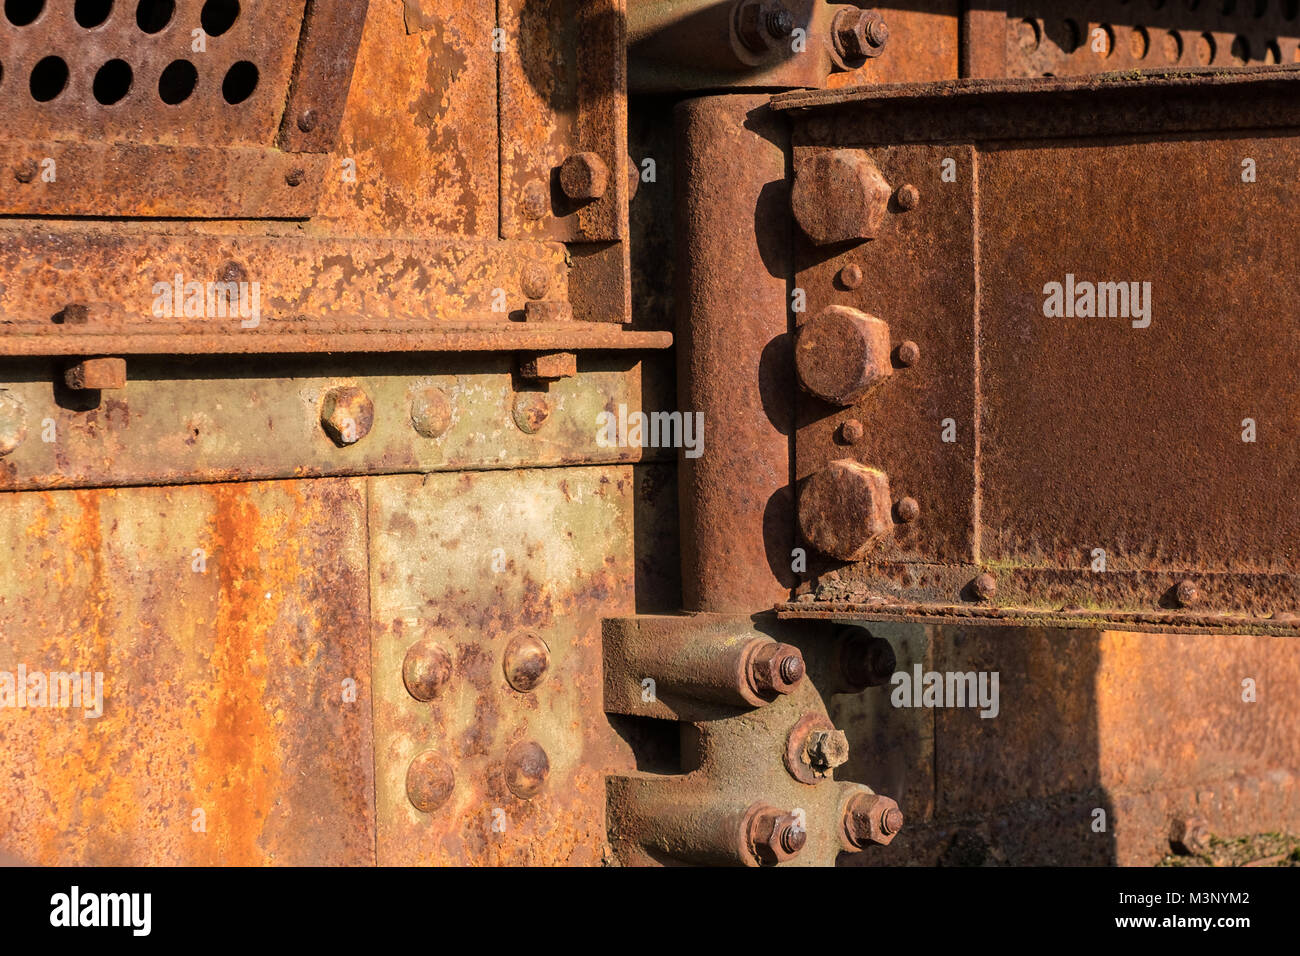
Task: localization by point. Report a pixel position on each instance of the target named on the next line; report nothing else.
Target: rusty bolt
(536, 200)
(430, 412)
(96, 373)
(841, 353)
(1187, 593)
(871, 818)
(851, 432)
(1190, 836)
(859, 34)
(907, 510)
(295, 176)
(429, 782)
(826, 750)
(525, 662)
(866, 660)
(530, 411)
(909, 353)
(73, 314)
(535, 280)
(773, 836)
(13, 421)
(839, 195)
(307, 120)
(426, 669)
(760, 23)
(851, 276)
(584, 177)
(907, 197)
(844, 509)
(526, 769)
(548, 310)
(26, 171)
(774, 668)
(984, 587)
(548, 366)
(346, 414)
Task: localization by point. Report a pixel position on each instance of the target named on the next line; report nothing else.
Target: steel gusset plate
(1110, 463)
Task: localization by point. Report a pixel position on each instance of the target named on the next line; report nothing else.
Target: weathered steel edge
(971, 90)
(566, 336)
(1154, 622)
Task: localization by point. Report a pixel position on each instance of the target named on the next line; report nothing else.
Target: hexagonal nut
(840, 354)
(774, 668)
(96, 373)
(859, 34)
(838, 196)
(1190, 836)
(870, 819)
(844, 509)
(346, 414)
(773, 836)
(548, 366)
(584, 177)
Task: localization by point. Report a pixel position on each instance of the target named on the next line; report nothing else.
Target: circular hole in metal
(152, 15)
(218, 16)
(1173, 46)
(1205, 49)
(1240, 51)
(91, 13)
(49, 77)
(1261, 8)
(177, 82)
(1272, 52)
(240, 82)
(112, 82)
(22, 12)
(1070, 36)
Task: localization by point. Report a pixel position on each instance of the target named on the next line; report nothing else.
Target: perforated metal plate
(170, 107)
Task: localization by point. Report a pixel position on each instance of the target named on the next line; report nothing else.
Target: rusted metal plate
(179, 421)
(563, 87)
(473, 563)
(1135, 469)
(230, 626)
(327, 49)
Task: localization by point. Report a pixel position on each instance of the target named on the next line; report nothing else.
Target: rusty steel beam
(734, 360)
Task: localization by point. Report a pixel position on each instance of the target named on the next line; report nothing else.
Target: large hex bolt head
(839, 196)
(774, 668)
(870, 818)
(844, 509)
(584, 177)
(841, 353)
(859, 34)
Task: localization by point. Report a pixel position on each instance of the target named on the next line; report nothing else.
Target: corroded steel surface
(474, 562)
(229, 623)
(1135, 469)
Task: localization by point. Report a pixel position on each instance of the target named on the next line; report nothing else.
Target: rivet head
(307, 120)
(840, 354)
(526, 769)
(525, 662)
(346, 414)
(535, 280)
(844, 509)
(429, 782)
(907, 510)
(909, 353)
(584, 177)
(13, 421)
(430, 412)
(535, 201)
(851, 276)
(851, 432)
(294, 177)
(531, 411)
(426, 669)
(908, 196)
(26, 171)
(1187, 593)
(984, 587)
